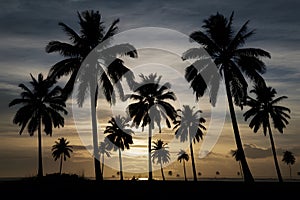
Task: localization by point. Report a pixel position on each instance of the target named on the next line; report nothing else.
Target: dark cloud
(253, 151)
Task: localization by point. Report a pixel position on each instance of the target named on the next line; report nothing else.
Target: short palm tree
(161, 154)
(103, 151)
(120, 136)
(189, 128)
(289, 159)
(90, 60)
(223, 46)
(184, 157)
(41, 105)
(264, 107)
(61, 149)
(237, 157)
(151, 106)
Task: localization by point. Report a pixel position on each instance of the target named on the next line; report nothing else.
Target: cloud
(253, 151)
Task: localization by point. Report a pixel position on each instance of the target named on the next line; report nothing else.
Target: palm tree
(161, 153)
(152, 106)
(264, 107)
(41, 105)
(61, 149)
(119, 135)
(237, 157)
(289, 159)
(81, 63)
(103, 150)
(223, 46)
(183, 156)
(189, 128)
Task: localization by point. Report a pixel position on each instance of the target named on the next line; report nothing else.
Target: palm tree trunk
(290, 166)
(246, 171)
(192, 157)
(274, 153)
(149, 152)
(60, 165)
(121, 166)
(193, 162)
(241, 169)
(40, 167)
(184, 171)
(97, 166)
(162, 172)
(102, 169)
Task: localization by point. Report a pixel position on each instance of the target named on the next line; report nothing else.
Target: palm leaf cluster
(189, 129)
(161, 154)
(61, 149)
(41, 104)
(264, 107)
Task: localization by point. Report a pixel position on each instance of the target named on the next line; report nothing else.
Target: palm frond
(73, 36)
(208, 44)
(242, 35)
(112, 30)
(64, 68)
(194, 53)
(63, 48)
(277, 100)
(119, 50)
(252, 52)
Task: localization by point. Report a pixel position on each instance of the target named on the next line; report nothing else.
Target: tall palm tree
(184, 157)
(120, 136)
(40, 105)
(189, 128)
(264, 107)
(103, 150)
(221, 47)
(90, 59)
(61, 149)
(161, 153)
(152, 105)
(237, 157)
(289, 159)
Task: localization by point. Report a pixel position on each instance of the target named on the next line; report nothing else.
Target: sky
(159, 29)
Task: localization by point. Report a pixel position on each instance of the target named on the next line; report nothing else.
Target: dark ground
(59, 188)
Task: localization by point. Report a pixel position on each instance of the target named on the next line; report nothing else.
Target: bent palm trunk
(246, 171)
(274, 154)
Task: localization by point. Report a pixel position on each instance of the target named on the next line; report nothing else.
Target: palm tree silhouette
(152, 106)
(237, 157)
(41, 105)
(161, 153)
(223, 46)
(119, 135)
(103, 150)
(189, 128)
(183, 156)
(103, 68)
(289, 159)
(261, 109)
(61, 149)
